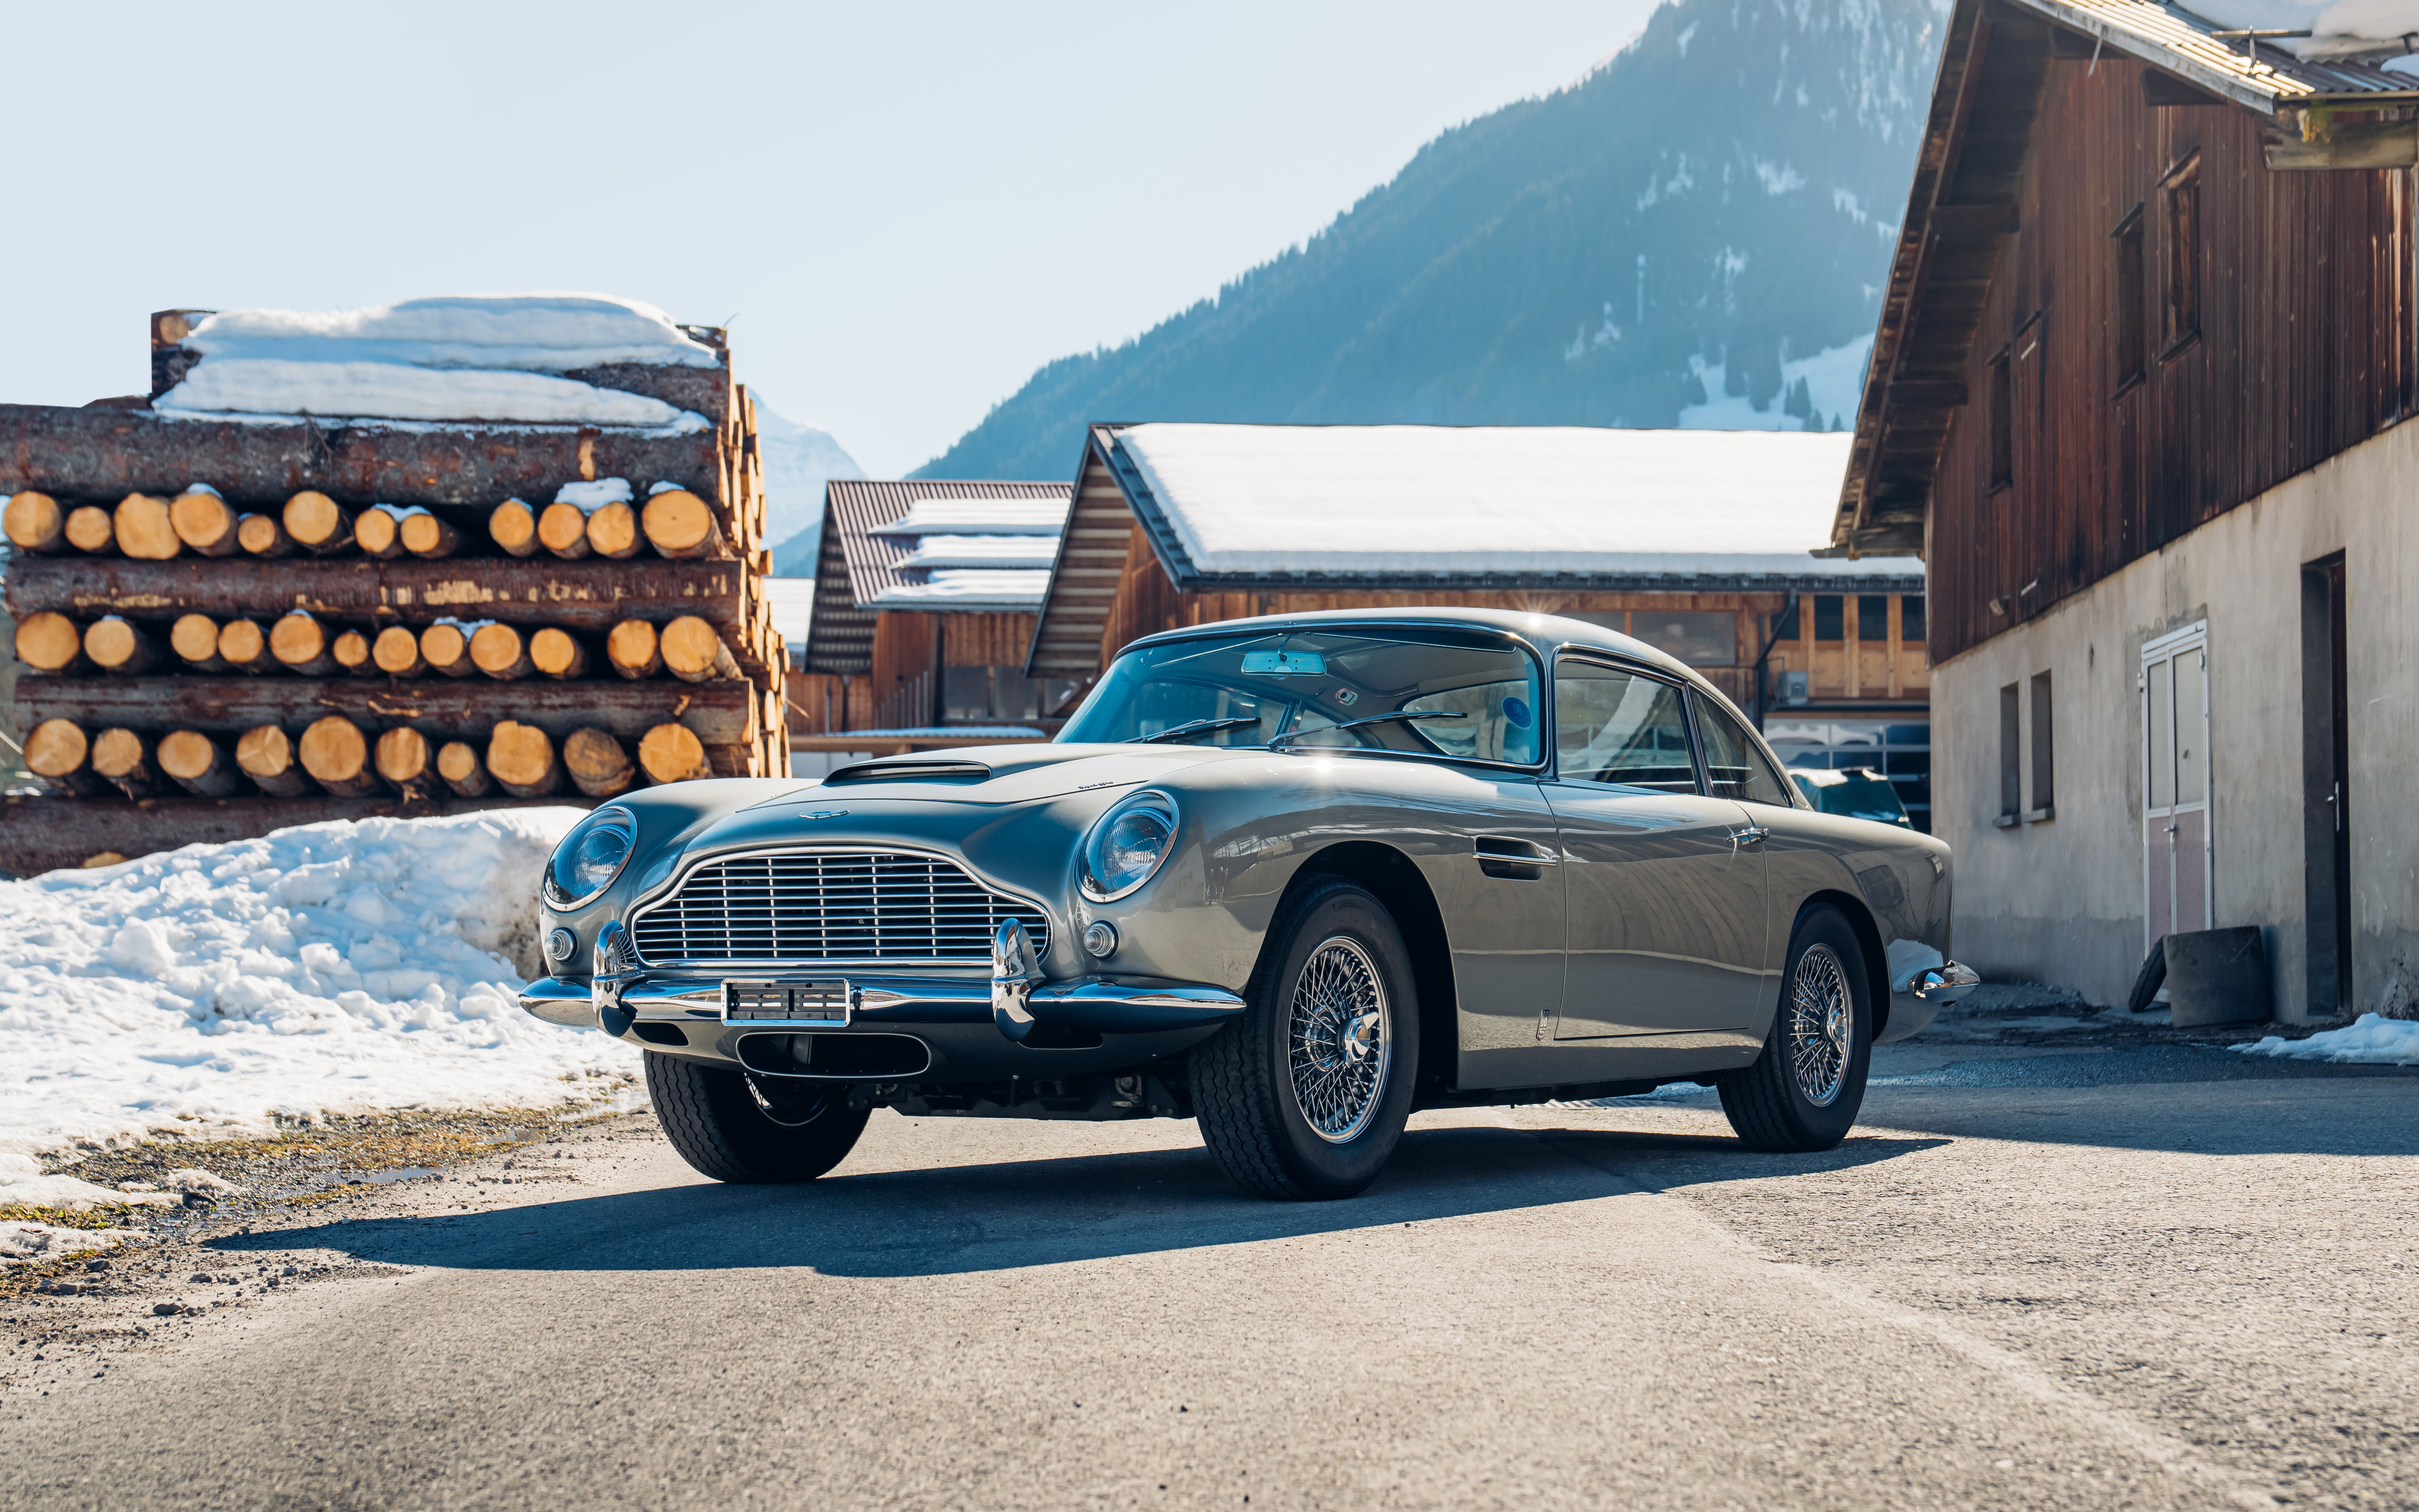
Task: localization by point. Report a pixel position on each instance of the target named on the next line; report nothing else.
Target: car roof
(1548, 633)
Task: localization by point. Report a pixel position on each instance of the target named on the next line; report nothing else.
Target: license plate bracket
(787, 1002)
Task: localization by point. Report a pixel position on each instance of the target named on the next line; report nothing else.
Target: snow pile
(2368, 1040)
(464, 357)
(329, 968)
(591, 497)
(2338, 28)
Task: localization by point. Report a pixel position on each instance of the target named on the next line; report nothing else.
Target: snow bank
(548, 333)
(329, 968)
(395, 390)
(2339, 28)
(2368, 1040)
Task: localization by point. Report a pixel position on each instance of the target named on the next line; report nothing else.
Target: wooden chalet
(923, 605)
(1695, 541)
(2137, 397)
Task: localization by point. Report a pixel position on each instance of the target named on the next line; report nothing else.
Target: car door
(1664, 887)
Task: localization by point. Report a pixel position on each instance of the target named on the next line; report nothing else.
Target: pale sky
(907, 206)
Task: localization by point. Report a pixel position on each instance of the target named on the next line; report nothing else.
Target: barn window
(1910, 617)
(2131, 338)
(1830, 622)
(2003, 423)
(2181, 195)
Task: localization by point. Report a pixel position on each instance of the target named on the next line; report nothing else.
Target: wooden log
(204, 522)
(43, 833)
(440, 708)
(587, 599)
(141, 526)
(119, 649)
(681, 526)
(426, 537)
(194, 639)
(243, 645)
(558, 654)
(122, 758)
(109, 453)
(199, 764)
(266, 755)
(694, 652)
(396, 653)
(352, 653)
(563, 530)
(503, 653)
(672, 753)
(48, 642)
(90, 530)
(598, 763)
(379, 533)
(317, 523)
(404, 760)
(460, 768)
(513, 526)
(446, 649)
(732, 760)
(35, 523)
(263, 536)
(614, 531)
(521, 758)
(60, 752)
(303, 645)
(337, 755)
(631, 651)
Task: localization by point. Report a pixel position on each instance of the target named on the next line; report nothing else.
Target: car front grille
(890, 907)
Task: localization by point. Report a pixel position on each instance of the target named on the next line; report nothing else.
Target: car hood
(1027, 773)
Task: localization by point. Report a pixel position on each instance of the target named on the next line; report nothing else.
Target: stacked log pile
(228, 626)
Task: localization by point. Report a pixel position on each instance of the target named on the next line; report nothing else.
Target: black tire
(1766, 1104)
(1243, 1085)
(723, 1126)
(2147, 982)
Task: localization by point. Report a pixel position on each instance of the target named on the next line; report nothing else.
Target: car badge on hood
(827, 814)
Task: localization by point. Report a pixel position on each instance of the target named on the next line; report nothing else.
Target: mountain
(1697, 233)
(798, 460)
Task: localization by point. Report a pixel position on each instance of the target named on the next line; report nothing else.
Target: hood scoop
(894, 770)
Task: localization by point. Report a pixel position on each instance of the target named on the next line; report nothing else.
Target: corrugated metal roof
(2265, 78)
(859, 566)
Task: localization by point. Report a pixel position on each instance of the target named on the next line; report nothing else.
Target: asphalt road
(2144, 1277)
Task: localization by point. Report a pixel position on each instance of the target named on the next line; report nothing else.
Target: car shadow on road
(989, 1217)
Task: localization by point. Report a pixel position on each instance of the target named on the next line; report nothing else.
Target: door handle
(1751, 835)
(1514, 859)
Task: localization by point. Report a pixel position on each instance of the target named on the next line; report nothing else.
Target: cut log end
(402, 759)
(460, 768)
(194, 639)
(598, 765)
(630, 647)
(143, 528)
(244, 646)
(558, 654)
(89, 529)
(694, 652)
(513, 526)
(502, 652)
(446, 649)
(522, 761)
(682, 526)
(352, 653)
(317, 523)
(614, 531)
(122, 758)
(564, 531)
(262, 536)
(35, 523)
(672, 753)
(204, 523)
(117, 647)
(426, 535)
(49, 642)
(199, 764)
(57, 749)
(302, 646)
(337, 755)
(396, 653)
(378, 533)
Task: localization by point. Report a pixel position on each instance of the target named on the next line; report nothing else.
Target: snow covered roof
(1235, 506)
(491, 358)
(2356, 46)
(970, 589)
(793, 607)
(980, 515)
(982, 551)
(970, 548)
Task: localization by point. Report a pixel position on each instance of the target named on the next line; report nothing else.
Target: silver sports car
(1296, 877)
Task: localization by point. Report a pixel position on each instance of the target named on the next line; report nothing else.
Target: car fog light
(1101, 938)
(559, 946)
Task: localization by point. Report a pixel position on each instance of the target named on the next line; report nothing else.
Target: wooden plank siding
(2305, 286)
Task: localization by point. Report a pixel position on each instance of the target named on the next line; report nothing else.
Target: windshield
(1453, 693)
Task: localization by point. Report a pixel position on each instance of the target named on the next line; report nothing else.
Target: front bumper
(1102, 1005)
(1918, 996)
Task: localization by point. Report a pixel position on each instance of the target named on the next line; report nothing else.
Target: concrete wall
(2061, 900)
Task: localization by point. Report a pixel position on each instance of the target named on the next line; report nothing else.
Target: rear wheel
(732, 1127)
(1306, 1094)
(1803, 1093)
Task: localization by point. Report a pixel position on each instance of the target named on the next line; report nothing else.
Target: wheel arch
(1394, 880)
(1869, 939)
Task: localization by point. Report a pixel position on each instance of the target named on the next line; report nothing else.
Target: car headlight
(1127, 844)
(590, 857)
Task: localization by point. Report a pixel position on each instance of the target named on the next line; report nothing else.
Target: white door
(2177, 854)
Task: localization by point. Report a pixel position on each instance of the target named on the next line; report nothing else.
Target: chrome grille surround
(828, 905)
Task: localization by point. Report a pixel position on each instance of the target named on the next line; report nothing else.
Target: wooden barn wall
(984, 639)
(2304, 349)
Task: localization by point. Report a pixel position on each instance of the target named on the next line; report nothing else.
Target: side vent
(899, 771)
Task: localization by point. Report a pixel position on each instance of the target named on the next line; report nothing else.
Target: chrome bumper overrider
(1085, 1003)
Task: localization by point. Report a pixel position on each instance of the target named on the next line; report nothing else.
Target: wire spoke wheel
(1822, 1025)
(1338, 1039)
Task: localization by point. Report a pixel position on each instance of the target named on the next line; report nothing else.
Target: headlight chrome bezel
(610, 816)
(1150, 800)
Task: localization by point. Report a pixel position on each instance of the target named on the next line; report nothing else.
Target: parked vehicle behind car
(1856, 791)
(1296, 877)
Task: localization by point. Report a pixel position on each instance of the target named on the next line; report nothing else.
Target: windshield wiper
(1197, 727)
(1374, 718)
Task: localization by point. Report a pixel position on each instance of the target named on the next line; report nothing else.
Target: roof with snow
(2316, 50)
(961, 547)
(793, 609)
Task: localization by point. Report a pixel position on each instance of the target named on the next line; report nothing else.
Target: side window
(1615, 726)
(1736, 767)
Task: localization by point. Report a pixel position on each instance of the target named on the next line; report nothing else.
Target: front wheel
(730, 1127)
(1305, 1094)
(1803, 1093)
